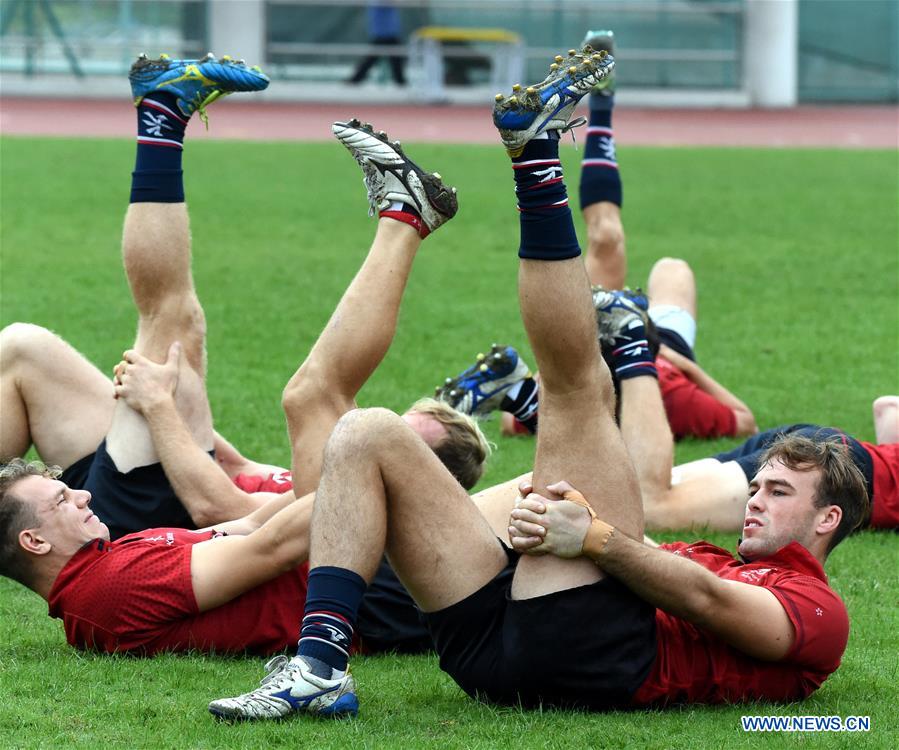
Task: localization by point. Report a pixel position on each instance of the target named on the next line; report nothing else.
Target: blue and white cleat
(290, 688)
(617, 310)
(390, 175)
(602, 40)
(548, 105)
(196, 83)
(480, 389)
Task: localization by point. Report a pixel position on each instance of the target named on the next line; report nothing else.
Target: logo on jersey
(755, 575)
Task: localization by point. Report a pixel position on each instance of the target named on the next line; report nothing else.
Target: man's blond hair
(464, 450)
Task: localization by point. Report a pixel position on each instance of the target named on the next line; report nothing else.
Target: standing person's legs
(410, 205)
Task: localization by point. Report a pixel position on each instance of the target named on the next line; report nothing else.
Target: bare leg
(349, 349)
(606, 258)
(671, 282)
(156, 255)
(51, 397)
(578, 440)
(383, 488)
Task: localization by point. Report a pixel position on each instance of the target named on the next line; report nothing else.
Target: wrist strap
(598, 533)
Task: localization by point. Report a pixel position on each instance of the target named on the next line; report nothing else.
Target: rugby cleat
(389, 175)
(617, 310)
(602, 41)
(196, 83)
(548, 105)
(290, 688)
(480, 389)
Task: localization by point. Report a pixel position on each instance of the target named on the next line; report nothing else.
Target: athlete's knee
(606, 235)
(24, 341)
(671, 268)
(311, 390)
(364, 433)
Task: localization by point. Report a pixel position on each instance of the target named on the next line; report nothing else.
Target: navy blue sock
(600, 180)
(157, 176)
(631, 355)
(547, 231)
(332, 603)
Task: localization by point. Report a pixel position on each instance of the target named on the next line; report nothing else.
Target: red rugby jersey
(136, 595)
(693, 666)
(885, 503)
(690, 410)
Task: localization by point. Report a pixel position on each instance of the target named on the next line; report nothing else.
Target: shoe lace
(569, 128)
(374, 185)
(273, 669)
(201, 101)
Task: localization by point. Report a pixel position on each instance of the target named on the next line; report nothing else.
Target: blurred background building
(722, 53)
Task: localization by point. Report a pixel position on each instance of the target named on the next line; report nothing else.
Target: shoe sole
(442, 198)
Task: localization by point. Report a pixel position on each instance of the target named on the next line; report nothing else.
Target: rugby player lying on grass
(644, 626)
(161, 588)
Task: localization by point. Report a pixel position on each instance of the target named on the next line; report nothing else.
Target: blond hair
(464, 450)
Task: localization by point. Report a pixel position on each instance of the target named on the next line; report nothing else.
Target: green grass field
(796, 260)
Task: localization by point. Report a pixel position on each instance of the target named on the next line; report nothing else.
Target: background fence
(845, 50)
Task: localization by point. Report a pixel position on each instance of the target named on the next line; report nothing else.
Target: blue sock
(332, 603)
(631, 355)
(157, 176)
(547, 231)
(600, 180)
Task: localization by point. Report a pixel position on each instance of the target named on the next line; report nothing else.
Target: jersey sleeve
(819, 619)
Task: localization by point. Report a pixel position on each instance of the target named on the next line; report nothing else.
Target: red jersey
(693, 666)
(279, 482)
(690, 410)
(885, 501)
(136, 595)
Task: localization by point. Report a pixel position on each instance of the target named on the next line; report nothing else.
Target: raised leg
(606, 258)
(349, 349)
(411, 204)
(671, 282)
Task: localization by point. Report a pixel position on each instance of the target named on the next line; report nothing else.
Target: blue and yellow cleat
(196, 83)
(480, 389)
(548, 105)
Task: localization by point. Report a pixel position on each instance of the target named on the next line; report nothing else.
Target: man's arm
(745, 420)
(748, 617)
(204, 489)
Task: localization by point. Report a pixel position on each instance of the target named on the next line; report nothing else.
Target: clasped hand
(542, 525)
(142, 383)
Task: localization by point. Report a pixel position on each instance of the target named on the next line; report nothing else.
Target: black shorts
(388, 618)
(589, 647)
(674, 340)
(749, 454)
(140, 499)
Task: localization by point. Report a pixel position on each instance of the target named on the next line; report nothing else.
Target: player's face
(65, 519)
(780, 510)
(428, 428)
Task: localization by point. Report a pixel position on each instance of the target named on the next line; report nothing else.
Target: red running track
(830, 126)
